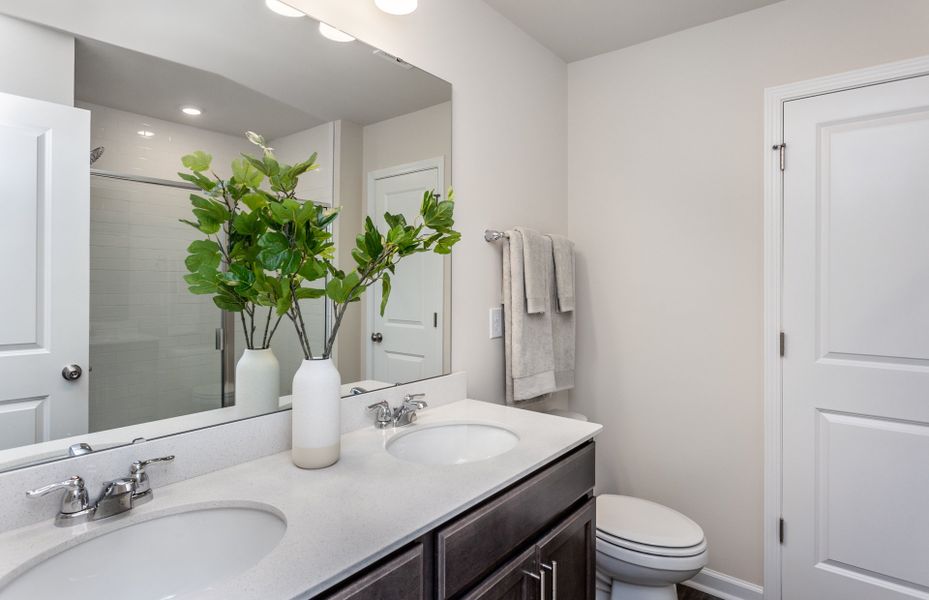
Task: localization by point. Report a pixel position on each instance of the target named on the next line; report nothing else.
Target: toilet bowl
(644, 549)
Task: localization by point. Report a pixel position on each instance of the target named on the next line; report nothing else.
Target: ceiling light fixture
(330, 32)
(193, 111)
(285, 10)
(397, 7)
(145, 133)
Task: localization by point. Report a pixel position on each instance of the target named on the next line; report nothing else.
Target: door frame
(774, 99)
(438, 163)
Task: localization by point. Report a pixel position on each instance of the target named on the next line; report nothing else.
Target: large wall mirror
(101, 341)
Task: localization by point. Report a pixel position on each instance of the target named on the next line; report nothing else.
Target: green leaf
(229, 302)
(385, 292)
(280, 214)
(246, 173)
(303, 293)
(197, 161)
(254, 201)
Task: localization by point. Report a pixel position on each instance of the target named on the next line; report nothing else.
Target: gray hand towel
(530, 360)
(563, 250)
(537, 258)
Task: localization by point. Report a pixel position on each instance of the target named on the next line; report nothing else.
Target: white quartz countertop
(340, 519)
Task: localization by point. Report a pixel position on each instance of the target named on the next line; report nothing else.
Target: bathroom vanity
(474, 500)
(534, 540)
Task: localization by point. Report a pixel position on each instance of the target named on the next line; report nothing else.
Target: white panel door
(856, 368)
(410, 332)
(44, 252)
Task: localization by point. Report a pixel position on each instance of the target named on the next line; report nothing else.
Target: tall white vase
(317, 427)
(257, 383)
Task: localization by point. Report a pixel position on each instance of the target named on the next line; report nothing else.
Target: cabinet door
(401, 578)
(567, 556)
(516, 580)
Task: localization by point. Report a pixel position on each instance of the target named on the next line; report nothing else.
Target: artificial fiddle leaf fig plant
(280, 250)
(224, 264)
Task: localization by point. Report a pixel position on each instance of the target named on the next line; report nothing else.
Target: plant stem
(301, 327)
(248, 342)
(265, 341)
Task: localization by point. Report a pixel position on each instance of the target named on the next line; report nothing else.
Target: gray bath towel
(563, 250)
(537, 256)
(530, 358)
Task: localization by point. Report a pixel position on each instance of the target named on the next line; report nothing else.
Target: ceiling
(158, 55)
(139, 83)
(583, 28)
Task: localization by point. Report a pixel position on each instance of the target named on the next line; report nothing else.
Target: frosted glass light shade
(283, 9)
(397, 7)
(336, 35)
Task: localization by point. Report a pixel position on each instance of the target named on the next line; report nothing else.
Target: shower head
(95, 154)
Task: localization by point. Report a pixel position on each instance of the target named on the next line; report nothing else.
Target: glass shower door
(154, 350)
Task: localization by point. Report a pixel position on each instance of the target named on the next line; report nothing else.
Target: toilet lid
(645, 522)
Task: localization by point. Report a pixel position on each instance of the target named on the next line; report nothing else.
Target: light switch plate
(496, 322)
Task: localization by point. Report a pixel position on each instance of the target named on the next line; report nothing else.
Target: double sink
(190, 550)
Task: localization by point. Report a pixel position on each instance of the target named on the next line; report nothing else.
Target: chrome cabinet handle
(554, 569)
(377, 338)
(72, 372)
(75, 498)
(541, 584)
(538, 577)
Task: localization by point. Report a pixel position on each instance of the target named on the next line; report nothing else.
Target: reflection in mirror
(105, 343)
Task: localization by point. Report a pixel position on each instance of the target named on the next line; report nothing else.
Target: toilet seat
(667, 551)
(632, 525)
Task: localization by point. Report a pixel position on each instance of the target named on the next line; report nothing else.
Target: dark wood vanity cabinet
(533, 541)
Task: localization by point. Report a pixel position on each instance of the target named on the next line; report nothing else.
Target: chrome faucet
(403, 415)
(406, 414)
(118, 496)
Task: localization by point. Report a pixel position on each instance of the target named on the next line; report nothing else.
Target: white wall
(508, 147)
(665, 178)
(37, 62)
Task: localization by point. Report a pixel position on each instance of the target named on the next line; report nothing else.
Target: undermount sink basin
(175, 556)
(452, 443)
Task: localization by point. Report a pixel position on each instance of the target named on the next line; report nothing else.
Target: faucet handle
(75, 498)
(143, 489)
(412, 400)
(383, 414)
(139, 465)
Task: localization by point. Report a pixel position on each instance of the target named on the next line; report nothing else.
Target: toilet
(644, 549)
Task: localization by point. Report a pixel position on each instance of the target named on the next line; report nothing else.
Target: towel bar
(492, 235)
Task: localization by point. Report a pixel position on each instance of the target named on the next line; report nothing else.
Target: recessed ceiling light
(145, 133)
(193, 111)
(330, 32)
(285, 10)
(397, 7)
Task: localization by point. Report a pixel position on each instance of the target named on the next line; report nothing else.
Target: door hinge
(783, 343)
(220, 339)
(435, 319)
(782, 154)
(780, 530)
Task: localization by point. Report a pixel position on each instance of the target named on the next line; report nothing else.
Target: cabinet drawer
(472, 546)
(400, 578)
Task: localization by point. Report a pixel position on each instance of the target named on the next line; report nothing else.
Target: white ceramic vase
(257, 382)
(317, 427)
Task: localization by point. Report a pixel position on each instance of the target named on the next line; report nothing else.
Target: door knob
(72, 372)
(377, 338)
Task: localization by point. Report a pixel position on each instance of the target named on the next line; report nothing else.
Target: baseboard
(724, 586)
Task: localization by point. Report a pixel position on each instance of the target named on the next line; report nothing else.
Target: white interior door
(856, 367)
(44, 252)
(406, 343)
